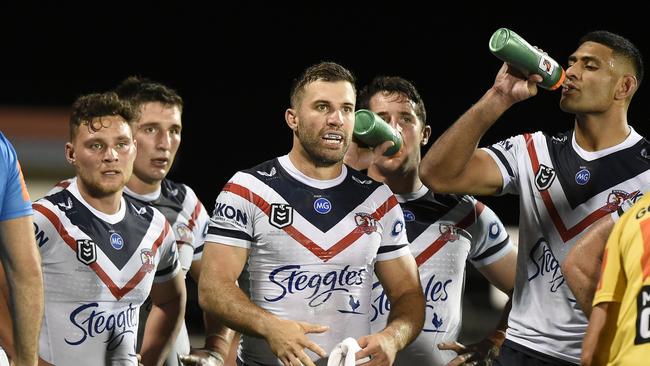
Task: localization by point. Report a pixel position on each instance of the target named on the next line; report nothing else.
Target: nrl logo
(544, 177)
(86, 251)
(281, 215)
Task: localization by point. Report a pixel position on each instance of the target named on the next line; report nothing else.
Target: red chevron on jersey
(117, 291)
(444, 239)
(324, 254)
(565, 233)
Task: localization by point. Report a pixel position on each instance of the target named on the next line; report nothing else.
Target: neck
(598, 132)
(108, 204)
(400, 182)
(313, 170)
(141, 187)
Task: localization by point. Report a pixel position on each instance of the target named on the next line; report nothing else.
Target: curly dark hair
(88, 110)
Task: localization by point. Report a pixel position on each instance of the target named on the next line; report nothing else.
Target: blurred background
(234, 65)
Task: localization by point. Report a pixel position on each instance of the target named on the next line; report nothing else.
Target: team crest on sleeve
(184, 234)
(544, 178)
(86, 251)
(448, 232)
(281, 215)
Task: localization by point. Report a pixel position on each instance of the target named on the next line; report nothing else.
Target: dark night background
(234, 64)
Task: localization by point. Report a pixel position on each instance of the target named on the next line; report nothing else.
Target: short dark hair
(393, 84)
(89, 107)
(621, 47)
(139, 90)
(326, 71)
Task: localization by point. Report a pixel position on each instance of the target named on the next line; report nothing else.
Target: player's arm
(401, 281)
(600, 333)
(164, 320)
(581, 267)
(220, 296)
(22, 265)
(454, 164)
(218, 337)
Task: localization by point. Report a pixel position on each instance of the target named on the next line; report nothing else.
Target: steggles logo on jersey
(322, 205)
(545, 264)
(318, 286)
(92, 323)
(116, 241)
(448, 232)
(281, 215)
(147, 258)
(365, 223)
(354, 304)
(544, 177)
(583, 176)
(86, 251)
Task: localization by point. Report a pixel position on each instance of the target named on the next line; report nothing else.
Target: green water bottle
(372, 130)
(514, 50)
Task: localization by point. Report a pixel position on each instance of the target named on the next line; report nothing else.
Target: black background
(234, 64)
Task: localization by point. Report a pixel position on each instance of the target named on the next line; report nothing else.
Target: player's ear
(292, 118)
(69, 153)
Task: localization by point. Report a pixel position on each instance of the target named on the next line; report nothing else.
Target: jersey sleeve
(231, 221)
(506, 154)
(199, 224)
(14, 199)
(168, 265)
(394, 242)
(490, 240)
(612, 283)
(46, 227)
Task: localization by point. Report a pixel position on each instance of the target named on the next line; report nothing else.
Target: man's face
(399, 111)
(324, 120)
(594, 74)
(158, 134)
(103, 159)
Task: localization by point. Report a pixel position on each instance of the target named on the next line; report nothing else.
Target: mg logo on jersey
(544, 177)
(281, 215)
(116, 241)
(86, 251)
(322, 205)
(409, 216)
(583, 176)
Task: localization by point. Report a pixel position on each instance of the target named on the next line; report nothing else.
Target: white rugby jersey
(563, 189)
(313, 246)
(98, 270)
(444, 231)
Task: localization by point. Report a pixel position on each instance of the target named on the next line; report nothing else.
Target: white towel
(343, 354)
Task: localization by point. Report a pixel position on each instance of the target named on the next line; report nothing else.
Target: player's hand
(480, 353)
(379, 347)
(288, 339)
(511, 83)
(358, 157)
(202, 357)
(139, 357)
